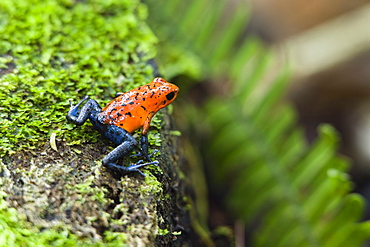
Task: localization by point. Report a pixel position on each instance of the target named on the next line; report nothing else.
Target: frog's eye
(170, 96)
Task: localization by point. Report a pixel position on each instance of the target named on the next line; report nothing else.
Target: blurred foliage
(289, 193)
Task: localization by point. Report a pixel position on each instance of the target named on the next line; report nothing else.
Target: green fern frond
(298, 193)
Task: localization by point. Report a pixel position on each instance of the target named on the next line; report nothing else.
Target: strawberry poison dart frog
(126, 113)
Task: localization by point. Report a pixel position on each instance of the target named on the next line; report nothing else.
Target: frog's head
(165, 92)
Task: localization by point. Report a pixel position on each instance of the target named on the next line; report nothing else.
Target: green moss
(152, 185)
(52, 51)
(163, 231)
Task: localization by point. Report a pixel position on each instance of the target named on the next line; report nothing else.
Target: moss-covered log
(53, 187)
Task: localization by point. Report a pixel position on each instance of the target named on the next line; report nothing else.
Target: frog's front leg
(128, 143)
(144, 147)
(79, 117)
(143, 152)
(144, 139)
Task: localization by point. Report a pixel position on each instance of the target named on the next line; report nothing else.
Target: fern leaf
(297, 193)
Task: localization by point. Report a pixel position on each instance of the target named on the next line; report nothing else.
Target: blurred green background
(273, 94)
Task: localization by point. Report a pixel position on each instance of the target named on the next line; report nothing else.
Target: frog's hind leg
(128, 143)
(79, 117)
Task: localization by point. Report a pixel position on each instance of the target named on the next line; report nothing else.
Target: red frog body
(135, 108)
(126, 113)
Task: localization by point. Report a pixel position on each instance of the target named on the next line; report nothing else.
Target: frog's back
(131, 109)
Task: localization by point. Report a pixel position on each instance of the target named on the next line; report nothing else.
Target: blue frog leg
(126, 143)
(79, 117)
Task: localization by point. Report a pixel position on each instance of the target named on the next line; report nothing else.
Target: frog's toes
(140, 154)
(154, 152)
(132, 168)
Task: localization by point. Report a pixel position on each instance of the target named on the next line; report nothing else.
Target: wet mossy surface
(52, 51)
(68, 193)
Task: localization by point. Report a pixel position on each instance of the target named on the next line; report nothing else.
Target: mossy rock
(54, 190)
